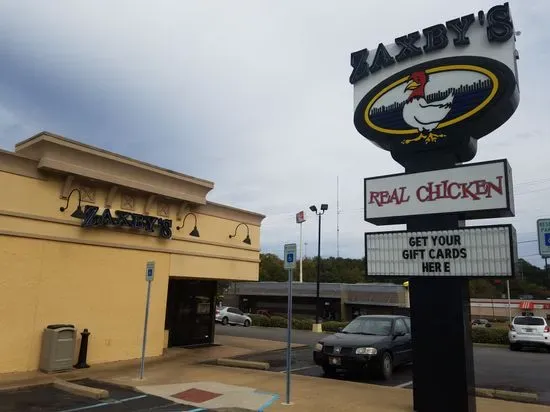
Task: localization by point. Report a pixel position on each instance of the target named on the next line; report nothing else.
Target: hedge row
(302, 324)
(496, 336)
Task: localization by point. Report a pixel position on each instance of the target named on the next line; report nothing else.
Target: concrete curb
(81, 390)
(237, 363)
(508, 395)
(490, 345)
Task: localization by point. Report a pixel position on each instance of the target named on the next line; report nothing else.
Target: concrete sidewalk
(308, 393)
(228, 347)
(178, 373)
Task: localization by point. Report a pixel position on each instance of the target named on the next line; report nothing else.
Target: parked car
(371, 342)
(263, 312)
(481, 323)
(228, 315)
(529, 331)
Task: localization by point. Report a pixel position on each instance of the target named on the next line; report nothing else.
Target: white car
(228, 315)
(529, 331)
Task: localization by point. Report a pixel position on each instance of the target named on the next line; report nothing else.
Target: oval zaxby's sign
(410, 97)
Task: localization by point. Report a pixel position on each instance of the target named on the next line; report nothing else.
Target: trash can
(58, 348)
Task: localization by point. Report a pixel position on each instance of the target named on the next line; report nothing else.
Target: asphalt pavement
(495, 367)
(47, 398)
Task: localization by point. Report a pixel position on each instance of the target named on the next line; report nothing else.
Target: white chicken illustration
(422, 115)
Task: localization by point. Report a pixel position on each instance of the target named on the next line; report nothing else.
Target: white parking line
(300, 369)
(404, 384)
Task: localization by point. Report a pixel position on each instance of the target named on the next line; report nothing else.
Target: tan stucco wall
(54, 271)
(102, 289)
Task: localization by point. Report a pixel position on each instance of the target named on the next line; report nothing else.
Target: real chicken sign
(475, 191)
(454, 83)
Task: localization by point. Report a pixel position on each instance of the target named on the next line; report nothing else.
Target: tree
(271, 268)
(483, 288)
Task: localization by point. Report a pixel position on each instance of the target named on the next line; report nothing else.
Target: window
(369, 326)
(526, 320)
(408, 323)
(400, 327)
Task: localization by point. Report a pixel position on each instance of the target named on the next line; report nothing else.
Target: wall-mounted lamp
(78, 213)
(247, 238)
(195, 231)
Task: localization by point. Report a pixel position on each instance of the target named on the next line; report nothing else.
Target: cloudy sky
(253, 95)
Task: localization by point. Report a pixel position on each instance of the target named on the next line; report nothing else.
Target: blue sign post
(290, 265)
(149, 276)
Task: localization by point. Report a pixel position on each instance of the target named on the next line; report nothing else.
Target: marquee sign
(455, 82)
(475, 191)
(484, 251)
(130, 220)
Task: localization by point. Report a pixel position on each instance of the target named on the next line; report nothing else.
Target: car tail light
(547, 329)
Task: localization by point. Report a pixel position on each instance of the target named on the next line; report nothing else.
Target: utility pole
(305, 250)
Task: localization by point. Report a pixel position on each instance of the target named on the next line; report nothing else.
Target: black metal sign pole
(443, 366)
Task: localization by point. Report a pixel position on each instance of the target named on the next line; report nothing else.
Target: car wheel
(386, 366)
(329, 371)
(515, 347)
(246, 323)
(225, 321)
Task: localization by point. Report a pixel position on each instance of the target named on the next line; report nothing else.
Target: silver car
(228, 315)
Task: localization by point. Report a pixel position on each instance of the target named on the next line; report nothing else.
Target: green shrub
(278, 322)
(302, 324)
(332, 326)
(260, 320)
(495, 336)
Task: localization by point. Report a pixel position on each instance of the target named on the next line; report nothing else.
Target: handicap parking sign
(290, 256)
(547, 239)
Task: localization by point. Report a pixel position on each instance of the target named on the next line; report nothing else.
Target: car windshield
(526, 320)
(369, 326)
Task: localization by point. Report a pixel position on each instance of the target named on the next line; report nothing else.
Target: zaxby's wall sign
(453, 83)
(126, 219)
(476, 191)
(484, 251)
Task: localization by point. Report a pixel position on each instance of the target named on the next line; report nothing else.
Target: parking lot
(47, 398)
(495, 367)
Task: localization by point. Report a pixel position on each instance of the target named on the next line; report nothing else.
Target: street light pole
(318, 272)
(324, 207)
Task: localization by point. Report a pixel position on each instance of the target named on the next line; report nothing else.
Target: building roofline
(45, 134)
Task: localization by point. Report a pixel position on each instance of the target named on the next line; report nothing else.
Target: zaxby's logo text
(454, 82)
(126, 219)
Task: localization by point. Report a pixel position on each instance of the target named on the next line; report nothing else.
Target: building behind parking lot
(339, 301)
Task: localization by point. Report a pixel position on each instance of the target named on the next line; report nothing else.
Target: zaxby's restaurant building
(77, 227)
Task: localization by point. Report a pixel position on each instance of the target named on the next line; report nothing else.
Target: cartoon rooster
(422, 115)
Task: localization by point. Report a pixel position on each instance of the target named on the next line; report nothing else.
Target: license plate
(529, 330)
(334, 361)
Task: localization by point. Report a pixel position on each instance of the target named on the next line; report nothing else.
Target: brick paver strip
(196, 395)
